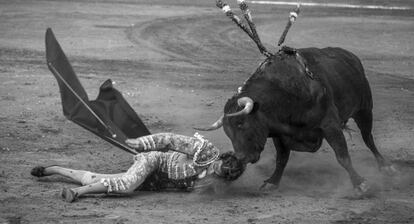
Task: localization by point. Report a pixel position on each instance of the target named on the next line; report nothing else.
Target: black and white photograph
(207, 111)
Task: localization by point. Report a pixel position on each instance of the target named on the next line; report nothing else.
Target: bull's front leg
(282, 157)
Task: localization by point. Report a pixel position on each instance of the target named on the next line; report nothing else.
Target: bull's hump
(286, 69)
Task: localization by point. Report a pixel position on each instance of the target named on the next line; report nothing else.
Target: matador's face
(215, 168)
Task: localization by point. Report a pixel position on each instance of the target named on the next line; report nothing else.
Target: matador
(170, 156)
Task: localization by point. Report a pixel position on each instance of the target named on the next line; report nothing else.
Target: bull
(298, 97)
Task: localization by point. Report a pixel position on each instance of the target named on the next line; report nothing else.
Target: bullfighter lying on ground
(177, 157)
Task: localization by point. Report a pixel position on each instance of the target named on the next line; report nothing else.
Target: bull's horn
(247, 102)
(214, 126)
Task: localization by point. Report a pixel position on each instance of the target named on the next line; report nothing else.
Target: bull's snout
(250, 158)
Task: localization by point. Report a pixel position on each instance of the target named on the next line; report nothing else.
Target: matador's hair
(232, 168)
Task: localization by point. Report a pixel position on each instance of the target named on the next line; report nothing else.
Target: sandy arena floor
(177, 64)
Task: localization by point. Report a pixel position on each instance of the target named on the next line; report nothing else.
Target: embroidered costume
(178, 157)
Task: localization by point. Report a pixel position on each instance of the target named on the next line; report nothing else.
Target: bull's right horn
(248, 104)
(218, 124)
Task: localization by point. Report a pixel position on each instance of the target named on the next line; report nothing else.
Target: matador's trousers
(176, 165)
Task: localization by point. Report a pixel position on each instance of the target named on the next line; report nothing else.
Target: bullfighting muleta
(175, 157)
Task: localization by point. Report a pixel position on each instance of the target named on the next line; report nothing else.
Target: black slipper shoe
(39, 171)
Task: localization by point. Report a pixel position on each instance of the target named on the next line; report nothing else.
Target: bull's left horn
(214, 126)
(247, 102)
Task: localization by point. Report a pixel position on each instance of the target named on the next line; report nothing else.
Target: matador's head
(231, 168)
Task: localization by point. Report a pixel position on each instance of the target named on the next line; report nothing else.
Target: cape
(109, 116)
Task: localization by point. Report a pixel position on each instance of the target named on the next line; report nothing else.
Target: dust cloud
(316, 175)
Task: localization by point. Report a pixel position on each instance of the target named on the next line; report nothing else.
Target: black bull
(299, 99)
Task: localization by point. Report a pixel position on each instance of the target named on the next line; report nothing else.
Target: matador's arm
(168, 141)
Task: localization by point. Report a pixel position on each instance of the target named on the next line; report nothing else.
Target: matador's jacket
(166, 158)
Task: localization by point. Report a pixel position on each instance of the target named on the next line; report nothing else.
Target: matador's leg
(80, 176)
(122, 183)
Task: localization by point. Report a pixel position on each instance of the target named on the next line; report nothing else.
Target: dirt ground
(177, 62)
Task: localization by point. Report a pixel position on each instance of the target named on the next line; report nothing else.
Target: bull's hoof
(267, 186)
(38, 171)
(68, 195)
(389, 170)
(364, 190)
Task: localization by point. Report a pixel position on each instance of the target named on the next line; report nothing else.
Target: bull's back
(343, 75)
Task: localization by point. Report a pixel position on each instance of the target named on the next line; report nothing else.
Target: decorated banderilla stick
(247, 15)
(227, 10)
(292, 18)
